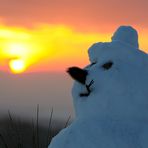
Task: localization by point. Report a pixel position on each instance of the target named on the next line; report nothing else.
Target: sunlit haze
(47, 47)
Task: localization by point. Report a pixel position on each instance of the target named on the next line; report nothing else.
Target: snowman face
(112, 87)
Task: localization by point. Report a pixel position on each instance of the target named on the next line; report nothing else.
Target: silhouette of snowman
(110, 96)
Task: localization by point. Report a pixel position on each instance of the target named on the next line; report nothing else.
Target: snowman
(110, 96)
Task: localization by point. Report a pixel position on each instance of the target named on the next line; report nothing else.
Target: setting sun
(17, 66)
(47, 47)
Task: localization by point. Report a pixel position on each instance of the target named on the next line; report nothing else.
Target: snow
(114, 114)
(127, 35)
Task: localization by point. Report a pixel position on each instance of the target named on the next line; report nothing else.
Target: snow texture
(115, 113)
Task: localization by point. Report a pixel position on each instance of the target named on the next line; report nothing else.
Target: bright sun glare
(46, 47)
(17, 66)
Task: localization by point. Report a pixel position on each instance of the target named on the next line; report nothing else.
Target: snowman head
(115, 83)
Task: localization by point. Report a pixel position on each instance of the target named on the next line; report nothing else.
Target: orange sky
(50, 35)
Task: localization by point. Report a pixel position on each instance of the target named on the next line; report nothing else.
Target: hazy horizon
(21, 93)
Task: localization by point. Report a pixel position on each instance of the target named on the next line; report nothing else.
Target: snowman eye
(107, 65)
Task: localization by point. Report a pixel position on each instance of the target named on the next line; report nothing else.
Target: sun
(17, 66)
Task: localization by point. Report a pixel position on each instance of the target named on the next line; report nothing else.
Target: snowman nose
(78, 74)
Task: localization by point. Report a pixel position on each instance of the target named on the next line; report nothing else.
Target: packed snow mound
(110, 96)
(127, 35)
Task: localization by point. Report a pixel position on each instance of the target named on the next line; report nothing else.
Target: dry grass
(19, 133)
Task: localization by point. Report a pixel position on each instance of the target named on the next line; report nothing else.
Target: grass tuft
(17, 133)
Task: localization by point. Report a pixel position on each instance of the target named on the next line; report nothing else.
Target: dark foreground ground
(20, 133)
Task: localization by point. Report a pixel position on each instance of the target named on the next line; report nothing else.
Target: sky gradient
(50, 35)
(87, 15)
(39, 36)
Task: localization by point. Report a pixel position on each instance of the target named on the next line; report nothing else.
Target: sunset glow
(53, 35)
(47, 47)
